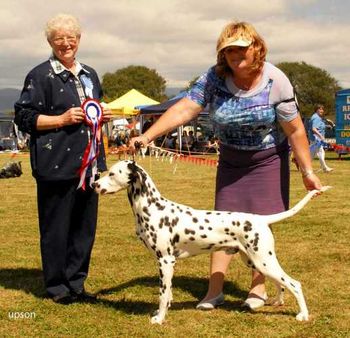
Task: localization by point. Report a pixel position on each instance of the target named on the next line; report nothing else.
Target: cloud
(319, 45)
(176, 38)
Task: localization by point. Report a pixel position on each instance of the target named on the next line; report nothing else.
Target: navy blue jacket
(55, 154)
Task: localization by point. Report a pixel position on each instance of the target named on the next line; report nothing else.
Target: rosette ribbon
(93, 118)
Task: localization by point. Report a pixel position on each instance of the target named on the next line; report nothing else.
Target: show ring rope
(165, 154)
(168, 154)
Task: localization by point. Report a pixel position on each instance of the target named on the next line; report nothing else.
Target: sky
(177, 38)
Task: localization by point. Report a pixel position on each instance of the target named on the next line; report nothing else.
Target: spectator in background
(213, 145)
(185, 141)
(317, 131)
(121, 138)
(191, 140)
(169, 141)
(147, 125)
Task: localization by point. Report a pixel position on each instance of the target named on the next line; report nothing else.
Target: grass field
(312, 246)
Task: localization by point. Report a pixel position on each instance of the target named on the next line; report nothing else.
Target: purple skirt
(253, 181)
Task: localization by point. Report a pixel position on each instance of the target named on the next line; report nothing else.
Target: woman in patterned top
(256, 118)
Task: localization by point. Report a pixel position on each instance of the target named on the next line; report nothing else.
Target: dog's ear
(136, 173)
(132, 167)
(133, 174)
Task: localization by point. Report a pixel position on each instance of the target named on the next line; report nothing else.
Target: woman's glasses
(62, 39)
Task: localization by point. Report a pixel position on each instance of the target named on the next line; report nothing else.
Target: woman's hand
(311, 182)
(72, 116)
(69, 117)
(107, 114)
(297, 139)
(139, 141)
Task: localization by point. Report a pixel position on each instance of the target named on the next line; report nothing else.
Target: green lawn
(312, 246)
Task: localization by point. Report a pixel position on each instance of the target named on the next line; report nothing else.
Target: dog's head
(16, 169)
(119, 177)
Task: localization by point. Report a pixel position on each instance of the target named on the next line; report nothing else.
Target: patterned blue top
(247, 120)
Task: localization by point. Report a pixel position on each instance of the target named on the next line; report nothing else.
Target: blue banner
(342, 105)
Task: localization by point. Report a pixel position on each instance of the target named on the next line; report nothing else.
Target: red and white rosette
(93, 118)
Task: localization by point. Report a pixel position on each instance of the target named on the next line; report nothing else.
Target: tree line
(312, 85)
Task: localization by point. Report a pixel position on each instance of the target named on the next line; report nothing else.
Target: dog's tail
(291, 212)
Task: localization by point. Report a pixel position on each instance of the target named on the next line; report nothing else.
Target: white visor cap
(240, 42)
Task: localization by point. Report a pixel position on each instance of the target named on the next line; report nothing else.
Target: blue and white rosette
(88, 85)
(93, 118)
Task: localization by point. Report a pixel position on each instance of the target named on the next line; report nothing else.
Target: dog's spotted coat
(171, 230)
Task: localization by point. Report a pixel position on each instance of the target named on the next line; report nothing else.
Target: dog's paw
(157, 320)
(275, 301)
(301, 317)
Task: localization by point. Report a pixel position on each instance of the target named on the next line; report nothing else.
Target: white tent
(120, 122)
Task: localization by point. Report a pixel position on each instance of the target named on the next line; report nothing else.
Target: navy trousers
(67, 222)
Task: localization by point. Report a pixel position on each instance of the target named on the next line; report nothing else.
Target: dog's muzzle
(98, 189)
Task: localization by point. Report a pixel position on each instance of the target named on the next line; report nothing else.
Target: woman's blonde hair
(62, 21)
(247, 32)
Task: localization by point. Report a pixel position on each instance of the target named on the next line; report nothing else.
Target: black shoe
(83, 296)
(64, 298)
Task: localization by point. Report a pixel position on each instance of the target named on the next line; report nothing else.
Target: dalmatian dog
(171, 230)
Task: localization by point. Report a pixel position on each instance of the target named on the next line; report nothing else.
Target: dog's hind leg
(246, 260)
(279, 298)
(166, 272)
(272, 269)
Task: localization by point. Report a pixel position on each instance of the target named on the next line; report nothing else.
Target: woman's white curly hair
(65, 22)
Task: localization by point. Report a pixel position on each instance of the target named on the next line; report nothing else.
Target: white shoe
(211, 304)
(256, 302)
(327, 170)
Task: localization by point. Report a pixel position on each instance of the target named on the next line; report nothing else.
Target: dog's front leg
(166, 271)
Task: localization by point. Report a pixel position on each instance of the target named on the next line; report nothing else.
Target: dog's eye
(111, 174)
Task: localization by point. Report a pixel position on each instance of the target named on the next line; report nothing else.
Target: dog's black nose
(94, 185)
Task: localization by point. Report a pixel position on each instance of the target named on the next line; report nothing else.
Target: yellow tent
(127, 103)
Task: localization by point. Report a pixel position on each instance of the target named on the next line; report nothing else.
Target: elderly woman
(49, 109)
(254, 114)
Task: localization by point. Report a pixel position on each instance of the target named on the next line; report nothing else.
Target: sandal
(255, 302)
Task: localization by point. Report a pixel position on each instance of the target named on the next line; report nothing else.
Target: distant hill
(173, 91)
(8, 97)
